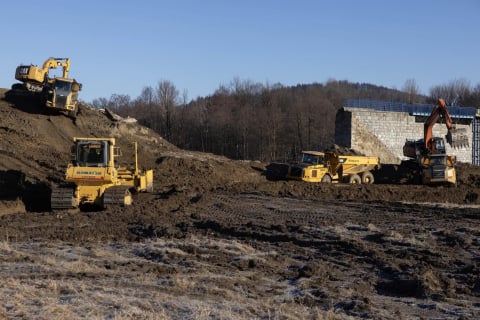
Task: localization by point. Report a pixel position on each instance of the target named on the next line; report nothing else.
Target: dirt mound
(38, 144)
(344, 151)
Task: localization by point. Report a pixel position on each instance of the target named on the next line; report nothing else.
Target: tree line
(249, 120)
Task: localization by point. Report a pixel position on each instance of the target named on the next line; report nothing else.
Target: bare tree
(456, 92)
(147, 107)
(167, 95)
(100, 103)
(475, 97)
(412, 89)
(119, 102)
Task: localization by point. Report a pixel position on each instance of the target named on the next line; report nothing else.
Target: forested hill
(247, 120)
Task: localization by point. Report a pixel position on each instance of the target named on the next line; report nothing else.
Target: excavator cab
(438, 146)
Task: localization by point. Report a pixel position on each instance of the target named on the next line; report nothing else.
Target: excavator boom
(35, 74)
(455, 137)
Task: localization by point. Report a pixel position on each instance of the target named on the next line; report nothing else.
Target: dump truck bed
(358, 164)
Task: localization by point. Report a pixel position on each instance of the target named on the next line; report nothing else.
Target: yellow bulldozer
(94, 178)
(58, 93)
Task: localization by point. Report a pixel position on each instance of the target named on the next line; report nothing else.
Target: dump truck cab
(313, 157)
(438, 169)
(310, 168)
(62, 94)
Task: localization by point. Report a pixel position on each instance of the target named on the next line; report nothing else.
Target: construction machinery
(35, 78)
(94, 178)
(62, 95)
(58, 93)
(329, 166)
(428, 155)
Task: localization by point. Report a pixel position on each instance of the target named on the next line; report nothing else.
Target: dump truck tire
(355, 178)
(326, 179)
(367, 177)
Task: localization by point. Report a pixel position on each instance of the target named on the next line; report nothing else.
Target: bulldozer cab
(92, 153)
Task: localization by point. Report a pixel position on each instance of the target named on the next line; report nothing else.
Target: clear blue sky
(122, 46)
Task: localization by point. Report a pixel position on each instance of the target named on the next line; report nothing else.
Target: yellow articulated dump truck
(94, 178)
(329, 167)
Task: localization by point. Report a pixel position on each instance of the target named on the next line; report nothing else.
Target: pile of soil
(344, 151)
(389, 250)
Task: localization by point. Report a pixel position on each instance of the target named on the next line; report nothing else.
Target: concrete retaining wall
(383, 133)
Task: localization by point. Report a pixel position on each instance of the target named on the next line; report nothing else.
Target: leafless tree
(146, 106)
(455, 92)
(119, 102)
(412, 89)
(167, 95)
(248, 120)
(100, 103)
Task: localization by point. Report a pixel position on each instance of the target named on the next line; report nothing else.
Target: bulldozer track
(62, 198)
(117, 196)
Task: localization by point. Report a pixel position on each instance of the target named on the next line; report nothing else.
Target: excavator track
(62, 198)
(117, 196)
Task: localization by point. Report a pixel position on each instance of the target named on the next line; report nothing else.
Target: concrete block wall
(383, 133)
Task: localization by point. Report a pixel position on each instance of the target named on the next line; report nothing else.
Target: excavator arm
(53, 63)
(455, 137)
(35, 74)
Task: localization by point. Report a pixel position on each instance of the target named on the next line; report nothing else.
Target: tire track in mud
(304, 226)
(402, 231)
(381, 249)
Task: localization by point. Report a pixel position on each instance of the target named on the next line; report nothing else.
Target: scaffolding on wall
(476, 141)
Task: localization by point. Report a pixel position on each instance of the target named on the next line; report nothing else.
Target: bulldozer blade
(457, 138)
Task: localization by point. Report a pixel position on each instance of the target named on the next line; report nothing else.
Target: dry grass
(63, 281)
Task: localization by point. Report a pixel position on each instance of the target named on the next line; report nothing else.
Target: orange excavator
(455, 137)
(429, 154)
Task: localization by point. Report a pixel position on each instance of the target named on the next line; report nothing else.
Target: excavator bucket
(457, 138)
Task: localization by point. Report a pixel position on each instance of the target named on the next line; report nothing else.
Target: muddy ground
(218, 240)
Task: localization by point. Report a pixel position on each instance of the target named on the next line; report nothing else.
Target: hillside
(38, 144)
(217, 240)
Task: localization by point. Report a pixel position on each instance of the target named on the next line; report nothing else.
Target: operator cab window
(92, 153)
(62, 88)
(312, 159)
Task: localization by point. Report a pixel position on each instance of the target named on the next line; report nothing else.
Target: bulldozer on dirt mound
(94, 178)
(54, 93)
